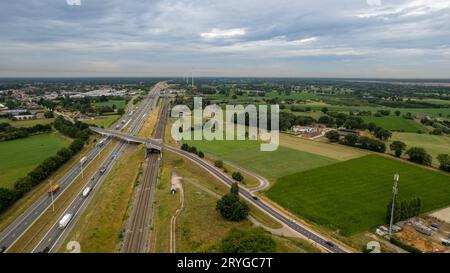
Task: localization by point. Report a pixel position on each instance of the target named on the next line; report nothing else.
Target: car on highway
(102, 170)
(330, 244)
(2, 249)
(255, 198)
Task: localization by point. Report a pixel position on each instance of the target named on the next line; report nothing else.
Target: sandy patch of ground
(443, 215)
(335, 151)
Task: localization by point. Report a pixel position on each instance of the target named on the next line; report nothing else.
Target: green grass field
(27, 123)
(352, 196)
(394, 123)
(117, 103)
(104, 122)
(434, 145)
(429, 111)
(271, 165)
(18, 157)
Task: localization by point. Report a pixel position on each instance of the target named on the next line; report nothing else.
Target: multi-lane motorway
(15, 230)
(56, 234)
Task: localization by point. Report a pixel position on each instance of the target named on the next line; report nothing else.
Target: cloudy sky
(321, 38)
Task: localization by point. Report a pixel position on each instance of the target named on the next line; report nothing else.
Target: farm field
(352, 196)
(104, 122)
(18, 157)
(335, 151)
(27, 123)
(271, 165)
(429, 111)
(434, 145)
(394, 123)
(117, 103)
(201, 192)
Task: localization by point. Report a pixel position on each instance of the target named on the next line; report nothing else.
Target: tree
(333, 136)
(184, 147)
(237, 176)
(325, 110)
(444, 162)
(201, 154)
(248, 241)
(398, 147)
(218, 164)
(350, 140)
(49, 114)
(192, 150)
(419, 155)
(7, 197)
(371, 127)
(397, 113)
(234, 189)
(327, 120)
(120, 111)
(231, 207)
(383, 134)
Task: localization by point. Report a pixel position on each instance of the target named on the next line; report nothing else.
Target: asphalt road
(16, 229)
(55, 234)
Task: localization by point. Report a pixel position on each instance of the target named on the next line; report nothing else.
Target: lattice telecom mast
(394, 195)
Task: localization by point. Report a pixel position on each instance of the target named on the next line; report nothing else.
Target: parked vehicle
(65, 220)
(445, 243)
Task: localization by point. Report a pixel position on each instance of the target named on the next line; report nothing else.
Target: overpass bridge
(153, 145)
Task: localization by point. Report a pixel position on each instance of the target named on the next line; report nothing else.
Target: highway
(136, 235)
(20, 225)
(56, 234)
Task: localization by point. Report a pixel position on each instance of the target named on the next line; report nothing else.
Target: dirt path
(176, 184)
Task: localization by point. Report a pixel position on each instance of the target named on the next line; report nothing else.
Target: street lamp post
(51, 193)
(394, 195)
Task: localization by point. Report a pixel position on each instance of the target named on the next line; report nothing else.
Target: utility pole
(51, 193)
(394, 195)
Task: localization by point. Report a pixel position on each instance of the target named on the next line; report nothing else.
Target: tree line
(49, 165)
(404, 210)
(8, 132)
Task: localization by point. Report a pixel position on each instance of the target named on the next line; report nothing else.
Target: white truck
(65, 220)
(86, 192)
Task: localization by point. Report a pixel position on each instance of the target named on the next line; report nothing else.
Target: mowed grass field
(429, 111)
(271, 165)
(117, 103)
(27, 123)
(394, 123)
(18, 157)
(105, 121)
(434, 145)
(352, 196)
